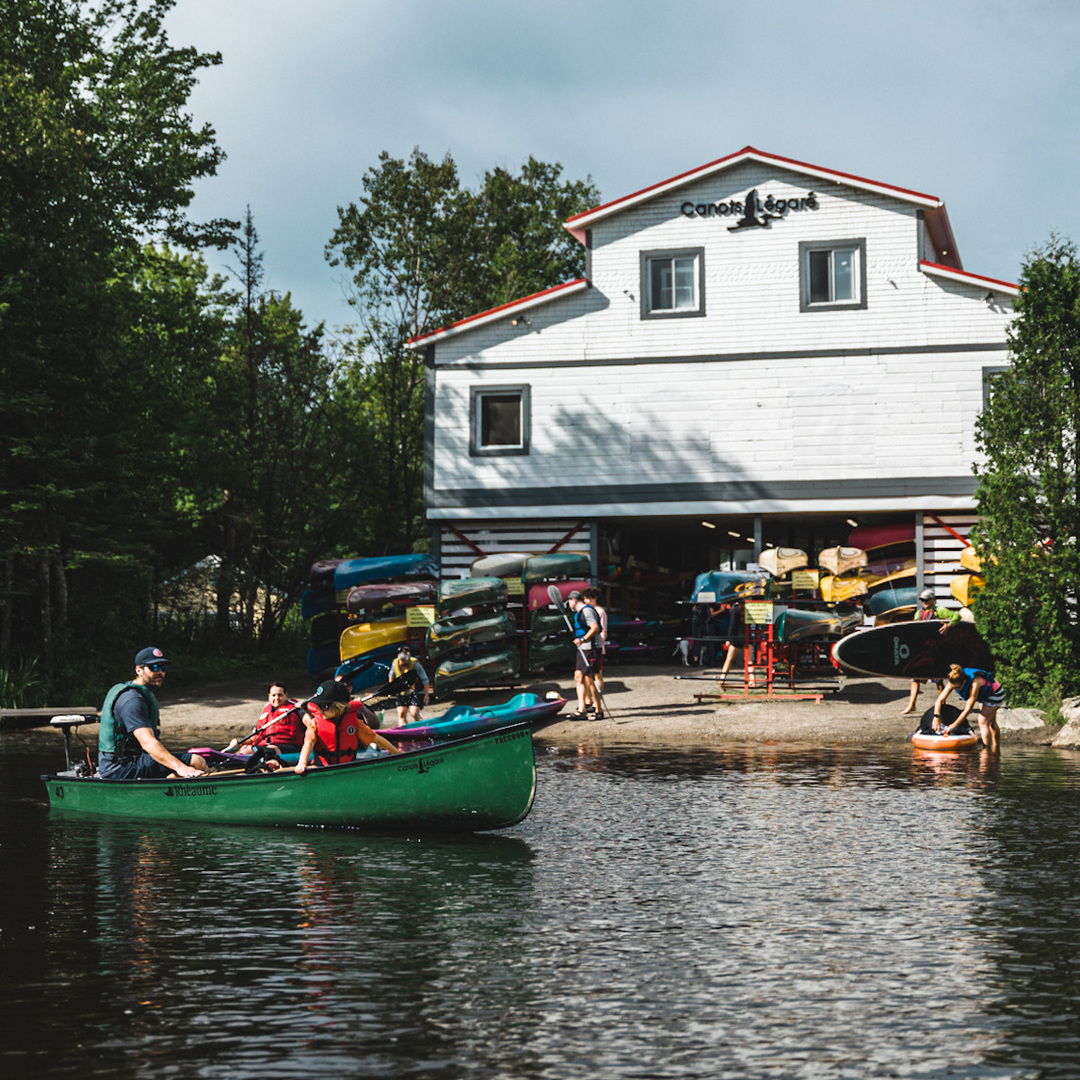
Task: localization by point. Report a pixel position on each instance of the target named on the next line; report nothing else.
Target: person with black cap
(129, 747)
(336, 728)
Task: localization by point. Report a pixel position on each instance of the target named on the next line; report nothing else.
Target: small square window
(832, 275)
(672, 283)
(499, 420)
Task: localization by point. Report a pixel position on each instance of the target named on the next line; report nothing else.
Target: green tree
(422, 251)
(285, 462)
(1029, 487)
(97, 153)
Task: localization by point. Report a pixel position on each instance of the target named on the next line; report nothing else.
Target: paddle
(556, 598)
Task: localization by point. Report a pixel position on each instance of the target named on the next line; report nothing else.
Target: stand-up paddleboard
(503, 564)
(457, 594)
(780, 560)
(915, 650)
(869, 537)
(839, 560)
(559, 564)
(925, 738)
(447, 635)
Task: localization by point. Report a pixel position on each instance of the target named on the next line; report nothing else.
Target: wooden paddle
(556, 598)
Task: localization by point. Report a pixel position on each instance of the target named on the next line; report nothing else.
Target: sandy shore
(655, 705)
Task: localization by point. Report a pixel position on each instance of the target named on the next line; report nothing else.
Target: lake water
(750, 911)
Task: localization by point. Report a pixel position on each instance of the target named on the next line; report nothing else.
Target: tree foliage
(1029, 487)
(422, 251)
(96, 153)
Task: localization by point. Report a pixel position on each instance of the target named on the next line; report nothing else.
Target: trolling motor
(65, 723)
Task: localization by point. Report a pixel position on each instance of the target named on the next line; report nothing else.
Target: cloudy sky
(974, 101)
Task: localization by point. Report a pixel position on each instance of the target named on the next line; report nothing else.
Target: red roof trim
(748, 152)
(524, 301)
(951, 271)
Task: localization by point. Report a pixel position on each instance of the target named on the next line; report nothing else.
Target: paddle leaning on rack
(556, 598)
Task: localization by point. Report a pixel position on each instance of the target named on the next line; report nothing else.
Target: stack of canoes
(356, 610)
(876, 569)
(550, 645)
(473, 640)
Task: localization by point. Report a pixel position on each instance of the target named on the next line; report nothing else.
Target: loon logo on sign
(756, 212)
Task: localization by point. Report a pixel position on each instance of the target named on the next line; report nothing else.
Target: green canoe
(446, 635)
(482, 782)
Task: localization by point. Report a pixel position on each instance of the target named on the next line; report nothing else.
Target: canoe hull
(474, 784)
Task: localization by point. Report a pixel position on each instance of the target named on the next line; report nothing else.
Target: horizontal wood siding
(756, 390)
(941, 552)
(532, 537)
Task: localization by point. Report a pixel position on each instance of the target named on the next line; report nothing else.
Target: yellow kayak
(363, 637)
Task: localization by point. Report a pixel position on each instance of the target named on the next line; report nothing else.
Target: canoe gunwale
(476, 783)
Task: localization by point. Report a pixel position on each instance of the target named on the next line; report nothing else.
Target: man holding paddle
(587, 640)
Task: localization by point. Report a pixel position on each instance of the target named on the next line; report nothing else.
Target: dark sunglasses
(162, 666)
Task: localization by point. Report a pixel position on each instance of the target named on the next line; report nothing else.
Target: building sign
(751, 212)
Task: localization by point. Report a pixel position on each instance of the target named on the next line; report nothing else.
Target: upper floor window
(832, 275)
(672, 283)
(499, 420)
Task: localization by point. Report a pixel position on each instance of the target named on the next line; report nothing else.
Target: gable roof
(580, 222)
(510, 309)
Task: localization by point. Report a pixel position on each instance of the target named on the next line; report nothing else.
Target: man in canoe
(279, 725)
(128, 746)
(335, 727)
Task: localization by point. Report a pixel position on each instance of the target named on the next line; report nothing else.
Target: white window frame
(697, 277)
(807, 248)
(477, 416)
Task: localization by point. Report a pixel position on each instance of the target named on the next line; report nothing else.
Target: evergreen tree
(1029, 487)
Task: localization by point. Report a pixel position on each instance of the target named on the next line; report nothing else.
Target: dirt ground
(655, 705)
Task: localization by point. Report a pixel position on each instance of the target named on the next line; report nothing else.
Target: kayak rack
(769, 665)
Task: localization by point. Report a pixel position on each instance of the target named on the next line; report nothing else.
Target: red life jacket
(283, 726)
(339, 740)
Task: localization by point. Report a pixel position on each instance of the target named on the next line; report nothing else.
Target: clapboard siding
(753, 390)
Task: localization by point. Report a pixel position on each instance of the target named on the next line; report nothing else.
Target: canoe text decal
(753, 211)
(522, 734)
(422, 766)
(202, 789)
(901, 651)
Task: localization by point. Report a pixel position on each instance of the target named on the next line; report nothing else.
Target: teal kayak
(465, 720)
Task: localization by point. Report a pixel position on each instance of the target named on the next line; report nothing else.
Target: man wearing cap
(335, 727)
(128, 744)
(586, 641)
(926, 611)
